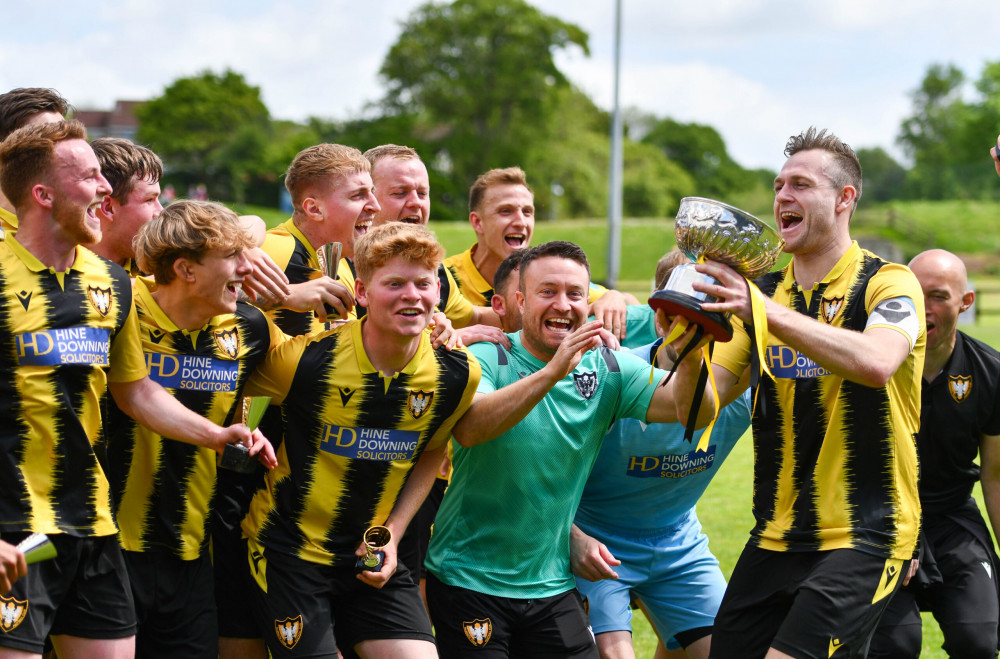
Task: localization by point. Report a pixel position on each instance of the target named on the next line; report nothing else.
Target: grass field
(725, 508)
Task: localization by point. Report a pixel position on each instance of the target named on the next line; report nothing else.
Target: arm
(989, 477)
(12, 566)
(485, 316)
(314, 295)
(267, 281)
(611, 308)
(478, 333)
(589, 558)
(868, 358)
(495, 413)
(412, 496)
(153, 406)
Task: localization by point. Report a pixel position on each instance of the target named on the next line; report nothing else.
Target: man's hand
(267, 281)
(239, 433)
(733, 290)
(378, 579)
(590, 559)
(612, 309)
(443, 333)
(914, 566)
(12, 566)
(583, 338)
(480, 333)
(314, 295)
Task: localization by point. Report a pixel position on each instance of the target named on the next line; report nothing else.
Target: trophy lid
(724, 233)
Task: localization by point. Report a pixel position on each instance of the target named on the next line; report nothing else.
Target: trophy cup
(236, 457)
(375, 538)
(36, 547)
(710, 230)
(329, 260)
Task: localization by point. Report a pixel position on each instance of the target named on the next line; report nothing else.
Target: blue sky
(756, 70)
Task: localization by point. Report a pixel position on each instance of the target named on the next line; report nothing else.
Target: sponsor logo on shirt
(670, 466)
(786, 362)
(192, 373)
(959, 386)
(70, 345)
(289, 631)
(375, 444)
(478, 631)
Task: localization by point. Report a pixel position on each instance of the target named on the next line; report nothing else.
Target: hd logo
(12, 613)
(478, 631)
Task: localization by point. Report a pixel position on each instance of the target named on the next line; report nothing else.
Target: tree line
(472, 84)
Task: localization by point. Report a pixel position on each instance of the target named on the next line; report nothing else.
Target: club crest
(418, 402)
(830, 307)
(12, 613)
(100, 298)
(229, 342)
(289, 631)
(478, 631)
(959, 386)
(586, 383)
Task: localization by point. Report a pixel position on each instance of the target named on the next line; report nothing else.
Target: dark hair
(506, 268)
(123, 163)
(848, 167)
(559, 248)
(26, 156)
(19, 105)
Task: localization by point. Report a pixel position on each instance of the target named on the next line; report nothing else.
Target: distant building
(118, 122)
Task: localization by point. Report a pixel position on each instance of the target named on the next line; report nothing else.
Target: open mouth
(516, 240)
(788, 219)
(411, 219)
(361, 228)
(559, 324)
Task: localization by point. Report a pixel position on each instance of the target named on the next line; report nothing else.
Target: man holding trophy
(841, 336)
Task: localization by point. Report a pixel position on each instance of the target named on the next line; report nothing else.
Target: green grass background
(971, 229)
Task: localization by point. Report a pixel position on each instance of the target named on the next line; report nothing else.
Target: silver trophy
(714, 231)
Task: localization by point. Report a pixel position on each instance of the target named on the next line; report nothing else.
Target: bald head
(945, 284)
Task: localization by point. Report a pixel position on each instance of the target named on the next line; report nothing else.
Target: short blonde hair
(395, 151)
(318, 167)
(380, 245)
(187, 229)
(505, 176)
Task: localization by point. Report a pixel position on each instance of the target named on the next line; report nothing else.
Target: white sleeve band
(897, 312)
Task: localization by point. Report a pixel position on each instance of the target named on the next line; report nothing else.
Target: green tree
(211, 128)
(479, 78)
(883, 176)
(701, 151)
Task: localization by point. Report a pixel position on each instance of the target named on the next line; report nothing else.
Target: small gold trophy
(36, 547)
(329, 261)
(375, 538)
(236, 457)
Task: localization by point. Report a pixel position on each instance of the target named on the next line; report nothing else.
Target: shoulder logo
(100, 298)
(478, 631)
(586, 383)
(418, 402)
(229, 342)
(830, 307)
(289, 631)
(959, 386)
(345, 395)
(893, 310)
(24, 297)
(835, 644)
(12, 613)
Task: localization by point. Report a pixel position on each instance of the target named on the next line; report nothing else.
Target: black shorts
(298, 605)
(472, 624)
(174, 605)
(805, 604)
(58, 596)
(963, 601)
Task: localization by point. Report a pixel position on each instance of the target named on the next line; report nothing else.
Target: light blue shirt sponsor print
(647, 478)
(374, 444)
(193, 373)
(69, 345)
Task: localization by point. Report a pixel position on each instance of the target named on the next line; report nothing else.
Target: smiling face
(345, 209)
(504, 220)
(403, 191)
(78, 188)
(141, 206)
(400, 297)
(217, 280)
(807, 204)
(553, 303)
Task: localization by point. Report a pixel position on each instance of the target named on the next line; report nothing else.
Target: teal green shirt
(503, 526)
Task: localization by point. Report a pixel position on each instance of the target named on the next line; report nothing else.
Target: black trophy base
(359, 565)
(679, 304)
(236, 457)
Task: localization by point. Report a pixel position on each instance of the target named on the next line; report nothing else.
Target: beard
(74, 222)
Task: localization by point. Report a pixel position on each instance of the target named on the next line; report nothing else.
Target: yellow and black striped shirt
(63, 336)
(835, 461)
(352, 437)
(8, 223)
(163, 489)
(291, 251)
